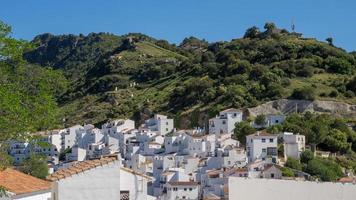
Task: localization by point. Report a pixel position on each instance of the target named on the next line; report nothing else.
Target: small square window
(263, 140)
(271, 140)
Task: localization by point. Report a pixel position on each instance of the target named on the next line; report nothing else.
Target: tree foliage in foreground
(27, 92)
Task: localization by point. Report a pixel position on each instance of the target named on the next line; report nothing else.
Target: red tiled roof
(19, 183)
(81, 167)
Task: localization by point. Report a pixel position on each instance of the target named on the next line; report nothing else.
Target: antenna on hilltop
(293, 26)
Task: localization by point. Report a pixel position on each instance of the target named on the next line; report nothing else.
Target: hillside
(134, 75)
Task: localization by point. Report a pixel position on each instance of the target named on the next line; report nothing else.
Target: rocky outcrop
(286, 106)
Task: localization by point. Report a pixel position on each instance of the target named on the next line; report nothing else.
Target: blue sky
(173, 20)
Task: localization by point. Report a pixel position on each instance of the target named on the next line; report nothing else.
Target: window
(271, 140)
(235, 114)
(272, 175)
(190, 189)
(264, 150)
(263, 140)
(223, 122)
(124, 195)
(167, 123)
(185, 189)
(166, 129)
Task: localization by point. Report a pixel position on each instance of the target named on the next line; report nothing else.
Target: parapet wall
(273, 189)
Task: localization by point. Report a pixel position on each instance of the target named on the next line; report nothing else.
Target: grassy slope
(155, 94)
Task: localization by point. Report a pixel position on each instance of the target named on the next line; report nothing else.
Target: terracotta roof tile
(20, 183)
(81, 167)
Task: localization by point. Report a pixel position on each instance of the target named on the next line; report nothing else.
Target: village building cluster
(156, 161)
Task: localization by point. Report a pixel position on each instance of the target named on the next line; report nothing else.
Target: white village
(157, 161)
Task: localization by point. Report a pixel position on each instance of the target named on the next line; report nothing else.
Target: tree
(269, 26)
(243, 129)
(330, 41)
(305, 93)
(27, 92)
(351, 85)
(306, 156)
(339, 65)
(294, 164)
(326, 170)
(260, 120)
(36, 165)
(336, 141)
(286, 172)
(252, 32)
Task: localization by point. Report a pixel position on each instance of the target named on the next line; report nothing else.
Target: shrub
(306, 156)
(349, 94)
(333, 93)
(326, 170)
(286, 172)
(306, 93)
(293, 163)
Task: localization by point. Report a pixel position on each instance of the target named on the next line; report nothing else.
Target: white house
(21, 186)
(159, 123)
(201, 145)
(117, 126)
(176, 143)
(134, 185)
(91, 179)
(225, 122)
(68, 138)
(181, 190)
(294, 145)
(22, 150)
(272, 171)
(261, 146)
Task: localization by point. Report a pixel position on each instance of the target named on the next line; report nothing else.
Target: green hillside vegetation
(28, 93)
(133, 75)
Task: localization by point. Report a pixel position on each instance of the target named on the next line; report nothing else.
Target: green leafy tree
(27, 93)
(305, 93)
(330, 41)
(286, 172)
(252, 32)
(336, 141)
(35, 165)
(306, 156)
(293, 163)
(326, 170)
(339, 65)
(260, 120)
(243, 129)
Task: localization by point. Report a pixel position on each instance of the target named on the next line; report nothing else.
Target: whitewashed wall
(102, 182)
(272, 189)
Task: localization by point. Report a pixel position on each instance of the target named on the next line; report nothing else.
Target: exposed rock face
(286, 106)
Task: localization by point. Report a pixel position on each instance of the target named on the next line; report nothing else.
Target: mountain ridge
(124, 76)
